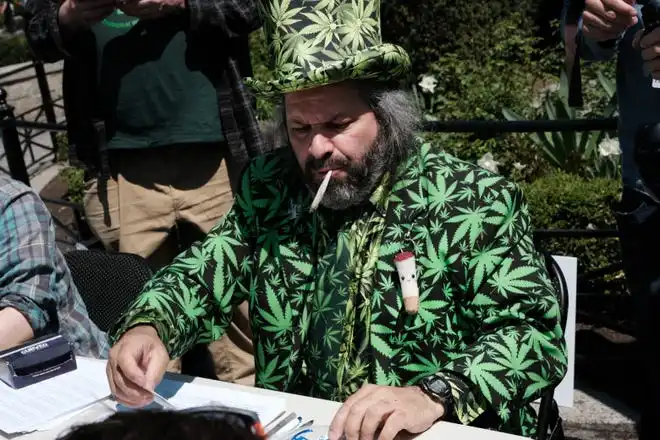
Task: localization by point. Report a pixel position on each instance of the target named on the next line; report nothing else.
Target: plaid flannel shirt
(232, 20)
(34, 278)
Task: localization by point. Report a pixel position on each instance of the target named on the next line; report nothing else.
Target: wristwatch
(439, 390)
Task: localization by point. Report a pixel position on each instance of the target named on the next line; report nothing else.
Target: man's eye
(339, 125)
(299, 130)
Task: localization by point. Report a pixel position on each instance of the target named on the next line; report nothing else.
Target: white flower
(609, 147)
(552, 87)
(488, 162)
(428, 83)
(519, 166)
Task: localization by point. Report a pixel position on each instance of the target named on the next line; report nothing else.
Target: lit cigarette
(321, 192)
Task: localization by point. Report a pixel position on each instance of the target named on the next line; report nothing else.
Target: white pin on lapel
(407, 270)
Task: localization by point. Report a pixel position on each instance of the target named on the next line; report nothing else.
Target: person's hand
(393, 409)
(149, 9)
(82, 13)
(136, 365)
(649, 45)
(604, 20)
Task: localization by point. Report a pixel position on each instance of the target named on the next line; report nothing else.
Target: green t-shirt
(155, 87)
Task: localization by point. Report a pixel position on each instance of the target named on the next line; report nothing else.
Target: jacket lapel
(405, 209)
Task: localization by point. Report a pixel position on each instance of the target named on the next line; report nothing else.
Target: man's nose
(321, 147)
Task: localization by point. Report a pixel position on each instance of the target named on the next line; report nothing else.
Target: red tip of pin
(403, 256)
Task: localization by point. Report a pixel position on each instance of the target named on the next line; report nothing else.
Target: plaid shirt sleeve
(233, 17)
(34, 278)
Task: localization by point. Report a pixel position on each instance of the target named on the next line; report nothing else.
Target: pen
(162, 401)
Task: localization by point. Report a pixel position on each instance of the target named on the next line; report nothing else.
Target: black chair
(108, 282)
(549, 425)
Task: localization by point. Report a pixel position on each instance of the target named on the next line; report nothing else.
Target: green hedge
(14, 50)
(565, 201)
(429, 29)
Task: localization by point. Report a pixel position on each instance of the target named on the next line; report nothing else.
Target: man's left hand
(393, 409)
(149, 9)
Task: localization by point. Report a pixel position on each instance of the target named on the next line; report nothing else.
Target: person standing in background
(601, 30)
(162, 78)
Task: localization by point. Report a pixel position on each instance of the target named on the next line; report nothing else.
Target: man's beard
(359, 182)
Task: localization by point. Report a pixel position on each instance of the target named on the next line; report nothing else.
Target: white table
(321, 411)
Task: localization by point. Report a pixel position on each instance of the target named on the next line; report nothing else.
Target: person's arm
(29, 267)
(193, 299)
(14, 328)
(518, 350)
(56, 29)
(42, 30)
(235, 18)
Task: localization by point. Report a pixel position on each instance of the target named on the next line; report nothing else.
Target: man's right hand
(74, 14)
(136, 365)
(605, 20)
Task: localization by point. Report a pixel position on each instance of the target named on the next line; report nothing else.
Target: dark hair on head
(161, 425)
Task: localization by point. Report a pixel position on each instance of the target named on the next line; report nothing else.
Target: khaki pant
(157, 202)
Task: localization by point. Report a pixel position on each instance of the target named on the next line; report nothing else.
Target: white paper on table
(184, 395)
(40, 406)
(566, 388)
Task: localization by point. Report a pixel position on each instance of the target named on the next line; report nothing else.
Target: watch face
(439, 387)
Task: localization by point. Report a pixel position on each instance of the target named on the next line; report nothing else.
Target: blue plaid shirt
(34, 278)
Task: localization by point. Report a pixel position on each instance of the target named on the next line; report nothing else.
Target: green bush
(478, 85)
(14, 50)
(565, 201)
(75, 181)
(61, 147)
(261, 62)
(429, 29)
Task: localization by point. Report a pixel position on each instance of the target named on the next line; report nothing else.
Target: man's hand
(150, 9)
(604, 20)
(136, 365)
(650, 51)
(393, 409)
(74, 14)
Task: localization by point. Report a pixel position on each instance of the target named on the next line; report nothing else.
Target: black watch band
(439, 390)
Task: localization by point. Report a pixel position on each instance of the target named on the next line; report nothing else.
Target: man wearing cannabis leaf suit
(325, 296)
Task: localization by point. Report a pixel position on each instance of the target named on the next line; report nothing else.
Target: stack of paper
(32, 407)
(185, 395)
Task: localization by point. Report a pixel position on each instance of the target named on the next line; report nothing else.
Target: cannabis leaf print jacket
(488, 317)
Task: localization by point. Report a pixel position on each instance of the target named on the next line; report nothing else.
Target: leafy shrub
(261, 62)
(75, 180)
(61, 147)
(14, 50)
(565, 201)
(429, 29)
(478, 85)
(576, 152)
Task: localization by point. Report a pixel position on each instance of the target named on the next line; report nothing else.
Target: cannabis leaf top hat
(319, 42)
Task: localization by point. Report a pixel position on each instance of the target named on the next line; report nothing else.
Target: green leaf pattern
(320, 42)
(325, 300)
